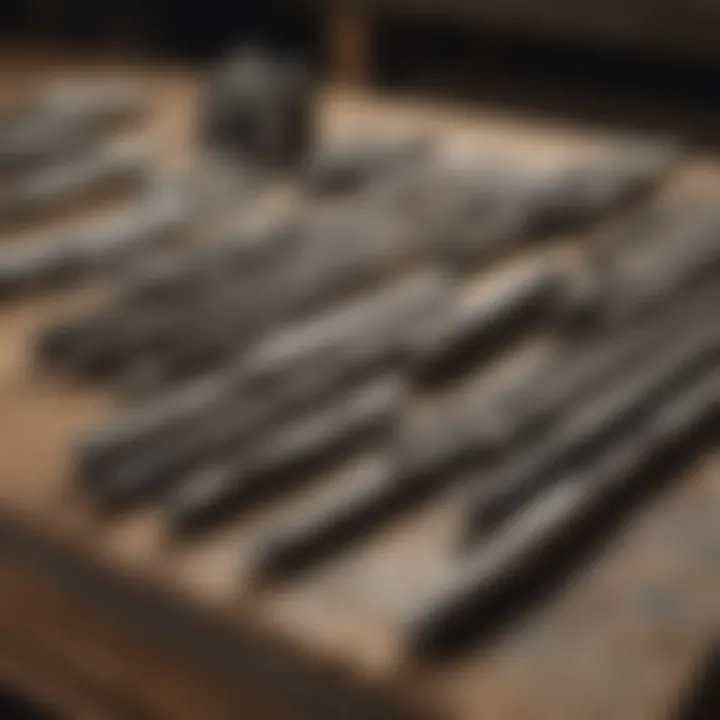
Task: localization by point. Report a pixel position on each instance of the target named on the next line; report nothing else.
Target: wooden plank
(349, 42)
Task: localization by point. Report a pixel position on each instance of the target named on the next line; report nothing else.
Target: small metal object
(668, 250)
(227, 316)
(64, 118)
(91, 248)
(346, 339)
(476, 430)
(258, 108)
(233, 258)
(325, 532)
(659, 273)
(351, 167)
(468, 218)
(617, 176)
(150, 424)
(359, 334)
(174, 304)
(293, 369)
(212, 494)
(149, 467)
(588, 431)
(445, 614)
(467, 333)
(109, 168)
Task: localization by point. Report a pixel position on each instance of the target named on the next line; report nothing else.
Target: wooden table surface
(619, 639)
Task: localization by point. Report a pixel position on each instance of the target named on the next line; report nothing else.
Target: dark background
(546, 70)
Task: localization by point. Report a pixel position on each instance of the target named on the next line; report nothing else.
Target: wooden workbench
(109, 619)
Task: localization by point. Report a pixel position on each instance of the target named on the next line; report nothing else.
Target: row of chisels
(255, 362)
